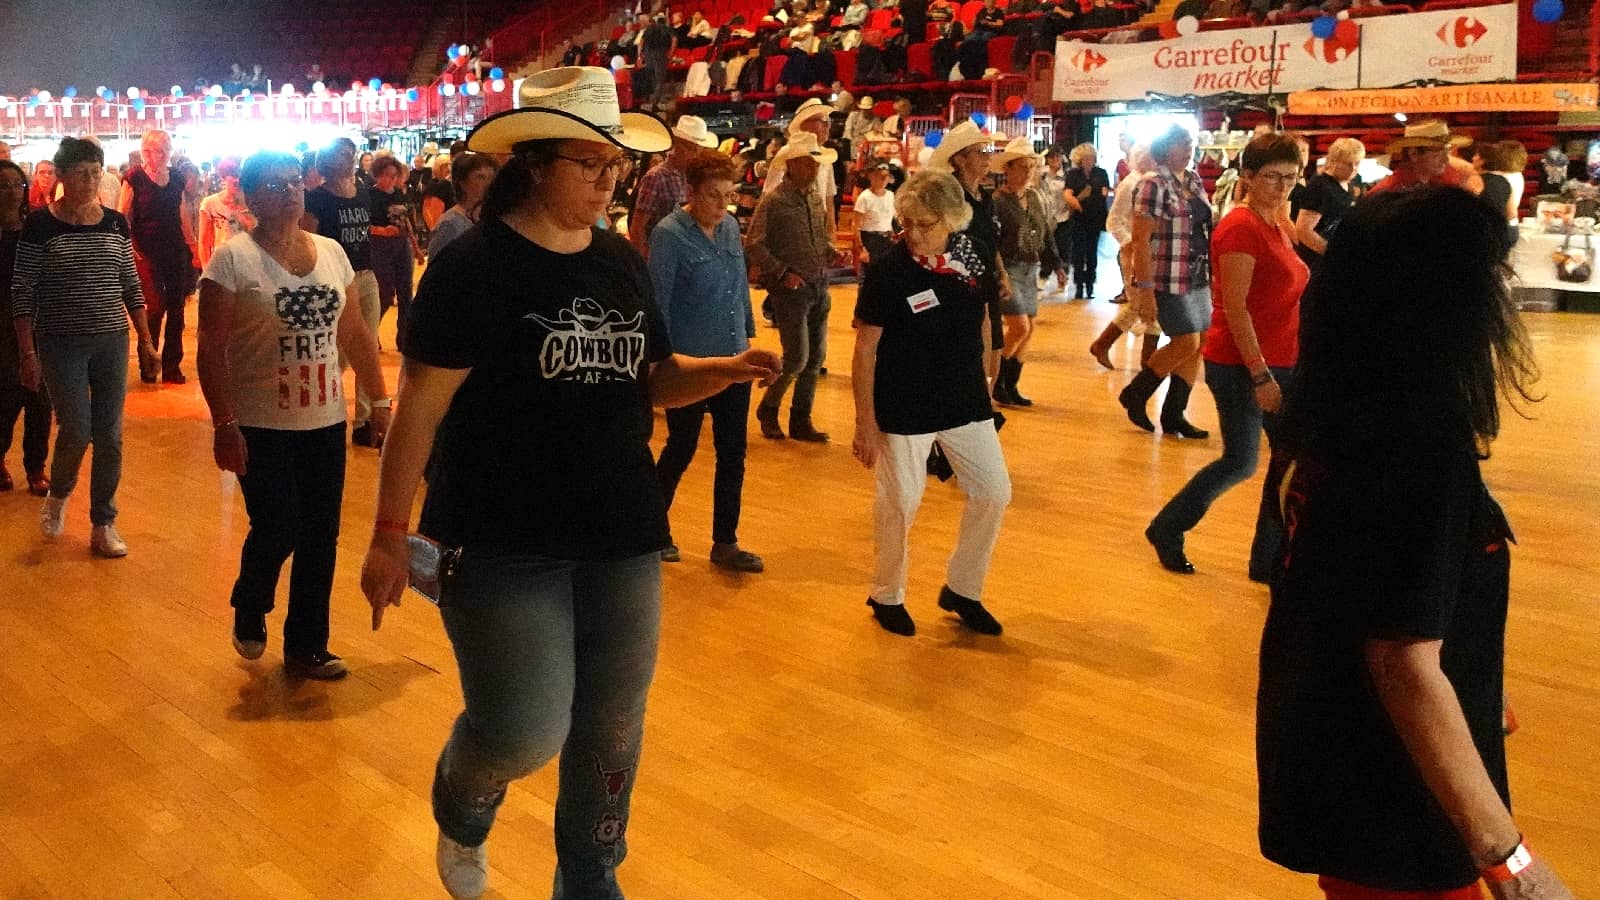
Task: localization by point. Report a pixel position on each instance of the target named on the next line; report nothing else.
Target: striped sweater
(75, 279)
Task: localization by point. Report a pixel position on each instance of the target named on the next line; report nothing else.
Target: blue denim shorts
(1184, 313)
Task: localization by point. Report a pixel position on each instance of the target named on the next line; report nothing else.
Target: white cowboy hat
(1019, 148)
(1430, 133)
(803, 144)
(570, 103)
(807, 111)
(956, 140)
(864, 103)
(693, 129)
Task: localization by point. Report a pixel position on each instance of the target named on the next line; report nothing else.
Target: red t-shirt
(1275, 287)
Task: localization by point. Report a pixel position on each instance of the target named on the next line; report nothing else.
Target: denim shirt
(701, 287)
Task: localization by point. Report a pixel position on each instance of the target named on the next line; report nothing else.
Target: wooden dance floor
(1103, 748)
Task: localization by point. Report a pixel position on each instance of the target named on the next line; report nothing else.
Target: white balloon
(1188, 25)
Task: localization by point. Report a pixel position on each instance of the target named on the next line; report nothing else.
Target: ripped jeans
(556, 657)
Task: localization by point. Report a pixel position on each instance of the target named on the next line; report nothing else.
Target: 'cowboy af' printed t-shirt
(283, 352)
(545, 447)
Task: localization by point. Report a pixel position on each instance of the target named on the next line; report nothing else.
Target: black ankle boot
(1172, 420)
(1134, 397)
(1002, 384)
(1016, 376)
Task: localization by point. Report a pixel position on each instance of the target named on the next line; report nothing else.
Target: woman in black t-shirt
(1325, 199)
(1092, 187)
(393, 247)
(919, 377)
(1379, 746)
(535, 352)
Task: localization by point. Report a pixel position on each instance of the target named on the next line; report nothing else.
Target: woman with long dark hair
(534, 352)
(1380, 749)
(15, 398)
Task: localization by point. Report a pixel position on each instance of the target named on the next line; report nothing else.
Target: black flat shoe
(671, 553)
(893, 618)
(770, 429)
(1170, 552)
(972, 613)
(1183, 429)
(249, 634)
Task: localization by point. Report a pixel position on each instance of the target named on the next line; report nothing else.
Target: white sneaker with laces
(464, 871)
(53, 517)
(104, 541)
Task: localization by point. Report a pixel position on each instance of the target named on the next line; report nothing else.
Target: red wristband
(1513, 865)
(391, 525)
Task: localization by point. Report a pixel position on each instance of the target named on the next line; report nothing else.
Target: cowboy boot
(1137, 394)
(1101, 348)
(1172, 409)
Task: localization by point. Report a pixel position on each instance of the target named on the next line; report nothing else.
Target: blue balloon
(34, 100)
(933, 139)
(412, 95)
(211, 100)
(979, 119)
(138, 104)
(441, 89)
(1026, 112)
(1548, 11)
(496, 72)
(1323, 27)
(375, 84)
(247, 99)
(71, 91)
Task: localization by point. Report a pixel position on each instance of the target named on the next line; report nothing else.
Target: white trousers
(980, 467)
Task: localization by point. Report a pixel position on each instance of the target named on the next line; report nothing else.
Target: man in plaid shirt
(664, 188)
(1171, 280)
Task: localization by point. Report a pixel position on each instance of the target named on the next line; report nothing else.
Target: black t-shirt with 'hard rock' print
(545, 448)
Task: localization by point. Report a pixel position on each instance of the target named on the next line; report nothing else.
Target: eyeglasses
(593, 168)
(921, 224)
(1280, 179)
(284, 185)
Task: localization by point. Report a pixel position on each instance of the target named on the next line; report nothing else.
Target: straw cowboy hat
(1431, 134)
(693, 129)
(570, 103)
(807, 111)
(864, 104)
(803, 144)
(1019, 148)
(956, 140)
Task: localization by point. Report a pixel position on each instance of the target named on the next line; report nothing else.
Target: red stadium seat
(919, 59)
(1000, 49)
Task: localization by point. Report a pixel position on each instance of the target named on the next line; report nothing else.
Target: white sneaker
(53, 517)
(464, 871)
(104, 541)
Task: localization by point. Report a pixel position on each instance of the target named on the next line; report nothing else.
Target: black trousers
(730, 418)
(167, 283)
(293, 486)
(34, 407)
(1064, 232)
(1085, 252)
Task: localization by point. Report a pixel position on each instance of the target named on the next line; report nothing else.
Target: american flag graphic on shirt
(312, 378)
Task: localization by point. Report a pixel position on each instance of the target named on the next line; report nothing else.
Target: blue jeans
(802, 317)
(87, 378)
(730, 425)
(1241, 422)
(555, 657)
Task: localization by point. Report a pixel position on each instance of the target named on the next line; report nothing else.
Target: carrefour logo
(1087, 60)
(1462, 32)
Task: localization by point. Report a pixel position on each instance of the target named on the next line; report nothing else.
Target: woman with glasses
(1250, 350)
(16, 400)
(274, 322)
(73, 294)
(918, 372)
(701, 287)
(534, 353)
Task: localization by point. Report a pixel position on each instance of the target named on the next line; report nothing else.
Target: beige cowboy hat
(956, 140)
(570, 103)
(693, 129)
(865, 103)
(803, 144)
(808, 110)
(1431, 134)
(1019, 148)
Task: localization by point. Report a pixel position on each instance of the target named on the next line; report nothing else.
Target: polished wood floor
(1101, 749)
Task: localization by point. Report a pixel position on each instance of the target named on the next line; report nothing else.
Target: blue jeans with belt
(1241, 422)
(556, 657)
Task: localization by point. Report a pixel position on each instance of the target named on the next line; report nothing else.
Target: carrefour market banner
(1456, 46)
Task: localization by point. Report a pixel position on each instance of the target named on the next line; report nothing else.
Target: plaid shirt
(661, 190)
(1173, 256)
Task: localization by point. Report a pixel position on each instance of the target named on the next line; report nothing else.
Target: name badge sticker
(922, 301)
